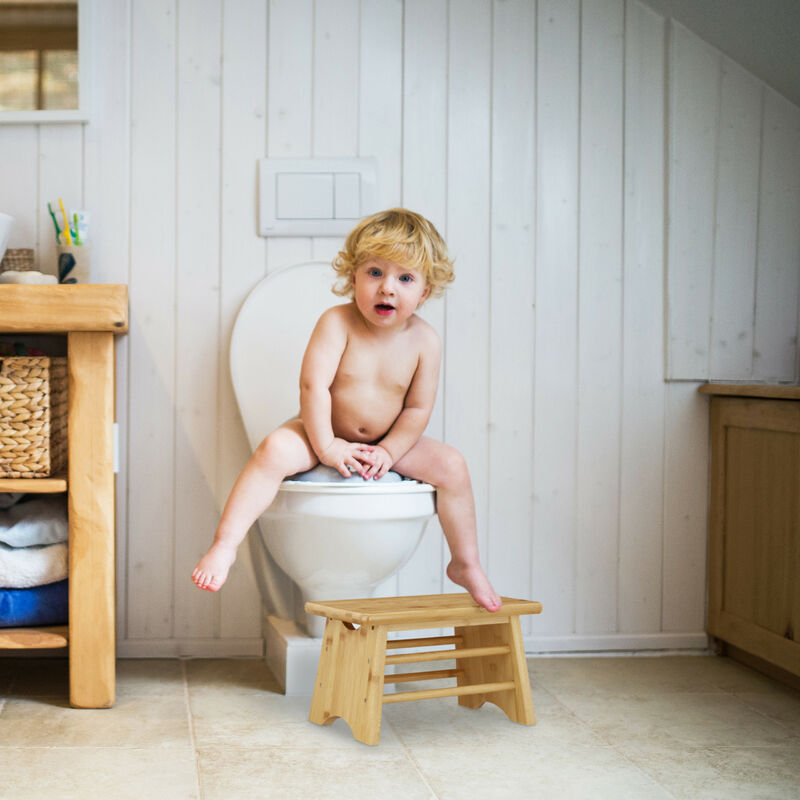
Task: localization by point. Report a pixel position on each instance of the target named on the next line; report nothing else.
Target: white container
(6, 223)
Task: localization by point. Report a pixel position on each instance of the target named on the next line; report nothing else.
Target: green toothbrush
(77, 236)
(53, 217)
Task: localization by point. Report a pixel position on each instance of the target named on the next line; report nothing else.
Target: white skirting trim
(534, 645)
(615, 642)
(190, 648)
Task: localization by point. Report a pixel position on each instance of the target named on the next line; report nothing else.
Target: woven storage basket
(33, 416)
(19, 259)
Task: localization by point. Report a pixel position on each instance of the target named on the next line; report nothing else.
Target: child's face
(388, 293)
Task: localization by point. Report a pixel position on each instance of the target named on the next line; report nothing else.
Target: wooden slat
(443, 655)
(34, 638)
(54, 485)
(28, 308)
(424, 641)
(429, 675)
(428, 694)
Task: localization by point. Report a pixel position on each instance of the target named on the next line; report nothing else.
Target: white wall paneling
(512, 297)
(621, 201)
(241, 264)
(555, 394)
(151, 538)
(599, 315)
(727, 132)
(643, 392)
(778, 277)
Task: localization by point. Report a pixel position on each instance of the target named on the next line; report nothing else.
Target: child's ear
(425, 295)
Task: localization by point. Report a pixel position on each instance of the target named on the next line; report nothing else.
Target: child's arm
(320, 362)
(417, 408)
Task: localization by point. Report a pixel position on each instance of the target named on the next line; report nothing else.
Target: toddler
(367, 387)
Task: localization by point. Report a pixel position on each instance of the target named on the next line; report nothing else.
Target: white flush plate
(315, 196)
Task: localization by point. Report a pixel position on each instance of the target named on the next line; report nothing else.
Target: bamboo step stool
(487, 646)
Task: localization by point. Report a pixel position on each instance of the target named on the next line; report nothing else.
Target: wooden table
(90, 315)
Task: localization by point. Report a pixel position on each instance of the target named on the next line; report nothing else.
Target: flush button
(315, 196)
(304, 195)
(346, 195)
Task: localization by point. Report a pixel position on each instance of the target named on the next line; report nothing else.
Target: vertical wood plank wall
(550, 142)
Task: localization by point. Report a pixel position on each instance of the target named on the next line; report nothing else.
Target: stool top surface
(416, 608)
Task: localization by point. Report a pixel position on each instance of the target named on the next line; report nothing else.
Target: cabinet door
(754, 553)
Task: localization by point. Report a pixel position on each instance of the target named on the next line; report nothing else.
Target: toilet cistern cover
(269, 338)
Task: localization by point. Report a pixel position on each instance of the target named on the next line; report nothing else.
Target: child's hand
(341, 454)
(380, 462)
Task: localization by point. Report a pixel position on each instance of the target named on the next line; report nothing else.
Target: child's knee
(455, 473)
(272, 452)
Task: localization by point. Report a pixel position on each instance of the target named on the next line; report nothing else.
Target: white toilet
(335, 538)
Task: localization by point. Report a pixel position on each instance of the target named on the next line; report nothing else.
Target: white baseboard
(190, 648)
(534, 645)
(615, 642)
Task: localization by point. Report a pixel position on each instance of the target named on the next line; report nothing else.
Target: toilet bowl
(334, 538)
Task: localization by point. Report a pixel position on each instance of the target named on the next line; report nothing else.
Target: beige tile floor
(674, 727)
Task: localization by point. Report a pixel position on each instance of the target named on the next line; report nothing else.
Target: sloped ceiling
(763, 36)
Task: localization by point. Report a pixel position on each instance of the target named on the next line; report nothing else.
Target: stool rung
(403, 677)
(394, 644)
(443, 655)
(427, 694)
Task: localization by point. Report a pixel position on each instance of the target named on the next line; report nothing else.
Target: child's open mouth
(384, 309)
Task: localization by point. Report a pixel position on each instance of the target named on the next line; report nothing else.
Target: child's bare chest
(376, 366)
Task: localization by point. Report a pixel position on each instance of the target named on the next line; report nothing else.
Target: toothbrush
(77, 235)
(67, 235)
(53, 217)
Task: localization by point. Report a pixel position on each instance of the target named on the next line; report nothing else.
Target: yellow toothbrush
(67, 235)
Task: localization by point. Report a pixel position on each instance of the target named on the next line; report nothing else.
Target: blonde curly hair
(398, 235)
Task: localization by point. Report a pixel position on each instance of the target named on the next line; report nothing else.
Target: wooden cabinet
(754, 522)
(90, 316)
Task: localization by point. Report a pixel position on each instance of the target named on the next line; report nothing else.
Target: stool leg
(516, 703)
(350, 679)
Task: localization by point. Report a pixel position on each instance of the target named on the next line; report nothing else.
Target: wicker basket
(33, 416)
(19, 259)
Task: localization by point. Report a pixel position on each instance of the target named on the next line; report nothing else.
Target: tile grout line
(413, 761)
(190, 720)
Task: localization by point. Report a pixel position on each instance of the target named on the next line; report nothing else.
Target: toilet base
(292, 655)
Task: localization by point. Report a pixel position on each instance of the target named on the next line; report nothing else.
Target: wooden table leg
(90, 360)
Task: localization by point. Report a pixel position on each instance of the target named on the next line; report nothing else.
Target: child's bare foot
(474, 580)
(212, 569)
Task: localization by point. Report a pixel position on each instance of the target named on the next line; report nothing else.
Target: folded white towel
(40, 520)
(23, 567)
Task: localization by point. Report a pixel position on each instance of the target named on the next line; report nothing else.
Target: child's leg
(284, 452)
(444, 467)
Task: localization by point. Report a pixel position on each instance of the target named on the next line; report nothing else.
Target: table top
(773, 392)
(63, 308)
(416, 608)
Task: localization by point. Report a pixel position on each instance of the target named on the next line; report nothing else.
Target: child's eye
(406, 278)
(375, 272)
